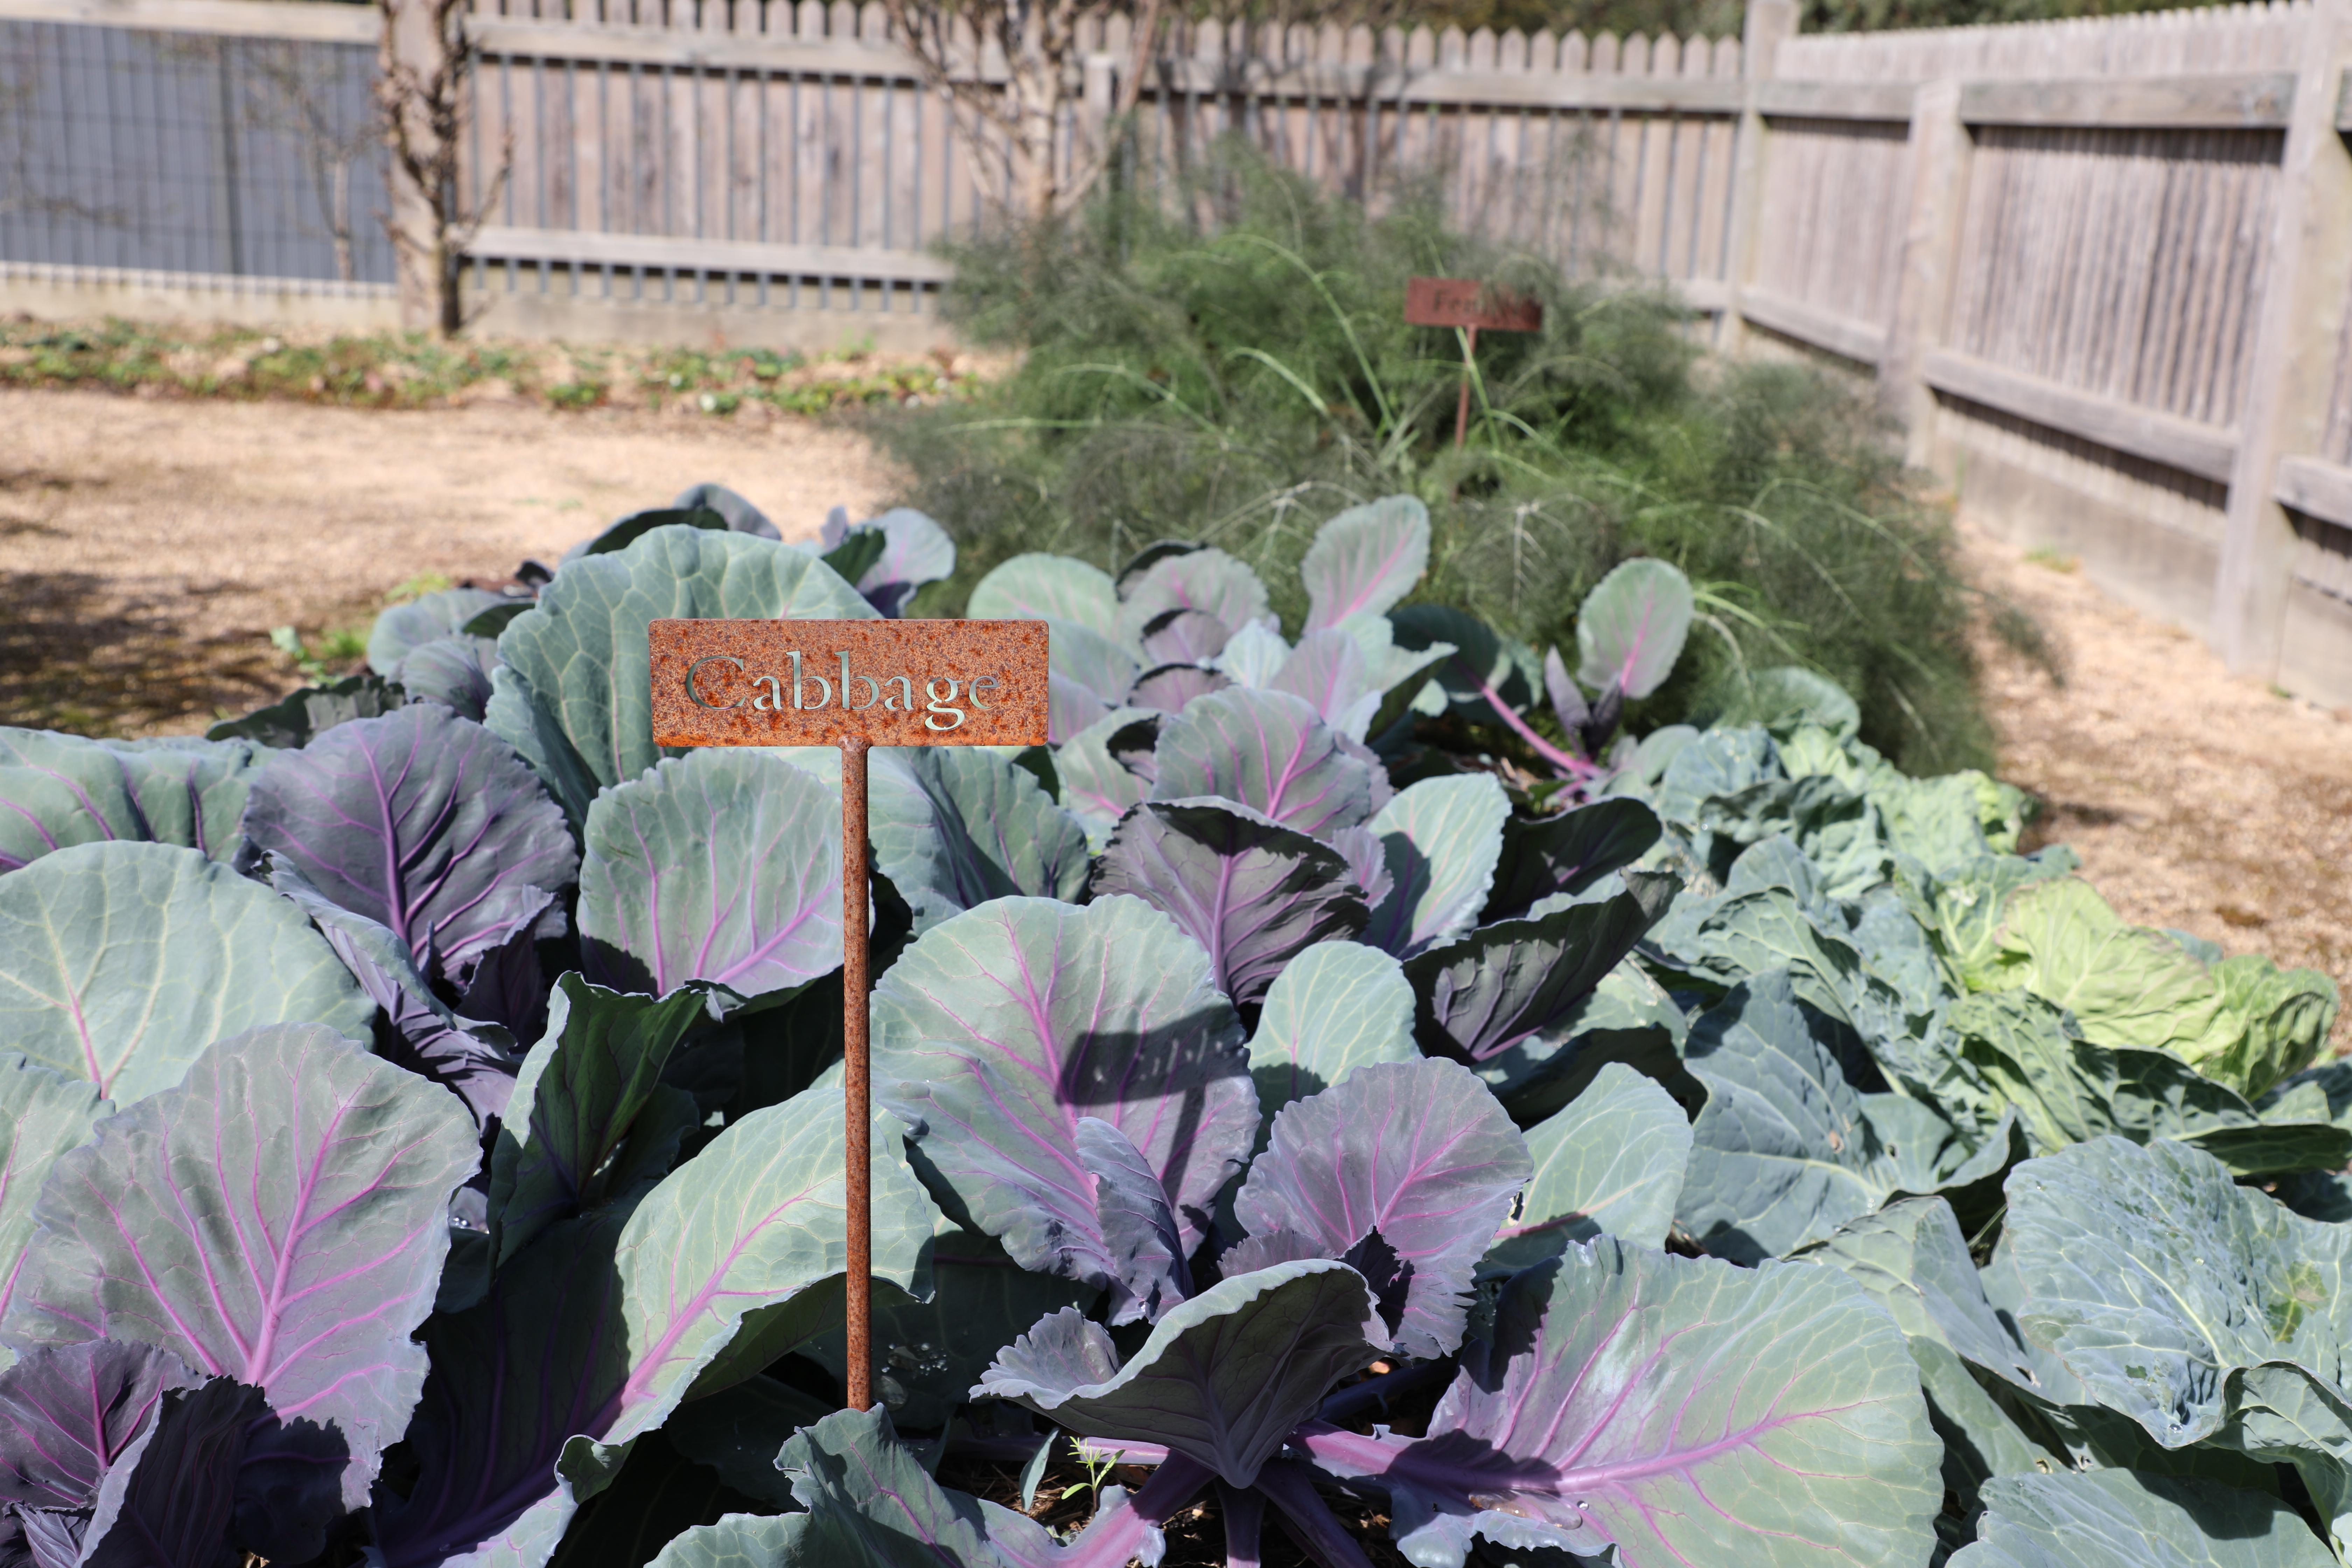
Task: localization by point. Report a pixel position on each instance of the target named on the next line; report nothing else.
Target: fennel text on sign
(887, 683)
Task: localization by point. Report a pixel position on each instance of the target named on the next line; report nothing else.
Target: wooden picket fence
(2099, 270)
(770, 139)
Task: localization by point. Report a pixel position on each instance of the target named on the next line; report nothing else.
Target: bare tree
(427, 62)
(19, 188)
(1025, 130)
(313, 114)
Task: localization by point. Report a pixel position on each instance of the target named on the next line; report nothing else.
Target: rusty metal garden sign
(855, 685)
(1468, 305)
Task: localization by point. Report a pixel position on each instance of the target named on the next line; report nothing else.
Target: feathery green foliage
(1239, 385)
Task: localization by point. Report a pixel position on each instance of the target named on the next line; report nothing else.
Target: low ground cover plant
(394, 370)
(1654, 1145)
(1241, 380)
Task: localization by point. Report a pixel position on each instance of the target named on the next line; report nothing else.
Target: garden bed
(1351, 1086)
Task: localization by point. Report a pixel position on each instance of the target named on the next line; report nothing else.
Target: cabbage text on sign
(890, 683)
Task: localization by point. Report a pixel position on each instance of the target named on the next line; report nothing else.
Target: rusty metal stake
(1462, 409)
(857, 1096)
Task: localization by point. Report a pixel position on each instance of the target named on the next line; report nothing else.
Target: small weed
(2054, 559)
(336, 651)
(577, 394)
(393, 370)
(416, 587)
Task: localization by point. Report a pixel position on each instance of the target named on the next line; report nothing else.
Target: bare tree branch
(1012, 73)
(294, 103)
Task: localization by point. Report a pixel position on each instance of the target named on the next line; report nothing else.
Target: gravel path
(148, 547)
(2196, 800)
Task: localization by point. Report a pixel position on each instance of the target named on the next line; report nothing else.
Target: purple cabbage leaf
(1327, 668)
(1172, 688)
(1271, 751)
(514, 1377)
(1208, 581)
(301, 716)
(1337, 1006)
(1566, 853)
(2125, 1519)
(42, 1115)
(1039, 587)
(1071, 709)
(737, 511)
(473, 1058)
(723, 864)
(721, 1265)
(1145, 1244)
(1224, 1378)
(621, 532)
(928, 1354)
(1185, 636)
(732, 1261)
(738, 1432)
(172, 1500)
(1365, 560)
(426, 824)
(1512, 981)
(70, 1413)
(1079, 652)
(1440, 841)
(454, 671)
(1630, 629)
(997, 1031)
(915, 550)
(1151, 556)
(1611, 1161)
(58, 790)
(1096, 786)
(1627, 1019)
(867, 1503)
(954, 826)
(573, 691)
(1674, 1410)
(120, 1454)
(277, 1217)
(121, 963)
(569, 1141)
(1416, 1153)
(1253, 893)
(1368, 864)
(403, 628)
(1487, 679)
(1254, 655)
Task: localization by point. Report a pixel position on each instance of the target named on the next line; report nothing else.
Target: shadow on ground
(75, 654)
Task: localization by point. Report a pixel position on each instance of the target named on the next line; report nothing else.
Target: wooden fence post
(1940, 146)
(1768, 23)
(2294, 363)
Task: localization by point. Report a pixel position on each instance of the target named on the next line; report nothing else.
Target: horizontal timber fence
(2099, 270)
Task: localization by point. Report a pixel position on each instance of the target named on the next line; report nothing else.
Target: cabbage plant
(423, 1139)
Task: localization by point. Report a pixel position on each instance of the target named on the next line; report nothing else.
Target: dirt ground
(148, 547)
(2199, 801)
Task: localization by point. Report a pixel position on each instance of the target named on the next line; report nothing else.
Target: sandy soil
(2196, 800)
(149, 547)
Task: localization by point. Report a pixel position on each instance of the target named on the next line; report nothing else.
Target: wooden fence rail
(2101, 269)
